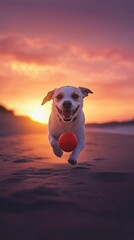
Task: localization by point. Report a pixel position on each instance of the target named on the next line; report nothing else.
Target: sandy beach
(44, 197)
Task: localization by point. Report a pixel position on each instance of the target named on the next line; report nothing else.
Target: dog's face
(67, 101)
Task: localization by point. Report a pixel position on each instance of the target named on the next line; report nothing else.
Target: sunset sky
(45, 44)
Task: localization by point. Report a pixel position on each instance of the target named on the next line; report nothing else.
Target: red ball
(68, 142)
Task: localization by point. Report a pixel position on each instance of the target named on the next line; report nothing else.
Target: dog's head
(67, 101)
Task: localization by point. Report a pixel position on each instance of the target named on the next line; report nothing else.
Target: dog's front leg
(56, 149)
(74, 155)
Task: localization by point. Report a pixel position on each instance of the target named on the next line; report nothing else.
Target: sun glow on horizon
(39, 116)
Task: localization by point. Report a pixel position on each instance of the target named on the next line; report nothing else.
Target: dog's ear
(85, 91)
(48, 97)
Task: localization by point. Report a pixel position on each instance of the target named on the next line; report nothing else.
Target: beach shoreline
(44, 197)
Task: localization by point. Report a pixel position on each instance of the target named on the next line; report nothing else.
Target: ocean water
(125, 130)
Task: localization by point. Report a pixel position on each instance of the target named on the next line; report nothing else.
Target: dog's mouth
(67, 115)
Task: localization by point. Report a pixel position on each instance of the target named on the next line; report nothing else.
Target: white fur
(73, 121)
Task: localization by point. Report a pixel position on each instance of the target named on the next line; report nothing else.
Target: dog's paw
(57, 151)
(72, 161)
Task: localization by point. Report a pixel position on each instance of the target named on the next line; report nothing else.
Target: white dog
(67, 116)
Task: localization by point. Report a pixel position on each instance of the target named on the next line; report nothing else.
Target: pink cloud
(106, 69)
(42, 52)
(30, 51)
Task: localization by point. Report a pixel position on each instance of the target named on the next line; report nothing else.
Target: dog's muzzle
(67, 114)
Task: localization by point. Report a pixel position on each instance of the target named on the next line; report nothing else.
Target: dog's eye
(75, 96)
(59, 97)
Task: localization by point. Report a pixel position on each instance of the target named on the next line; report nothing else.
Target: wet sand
(43, 197)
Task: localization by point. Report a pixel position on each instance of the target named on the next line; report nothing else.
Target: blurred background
(45, 44)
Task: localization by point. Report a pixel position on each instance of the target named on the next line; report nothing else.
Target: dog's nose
(67, 105)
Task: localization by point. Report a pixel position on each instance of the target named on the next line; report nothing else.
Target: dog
(67, 116)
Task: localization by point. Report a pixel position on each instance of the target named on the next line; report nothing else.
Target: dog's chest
(65, 127)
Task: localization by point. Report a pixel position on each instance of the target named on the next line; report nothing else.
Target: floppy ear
(85, 91)
(48, 97)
